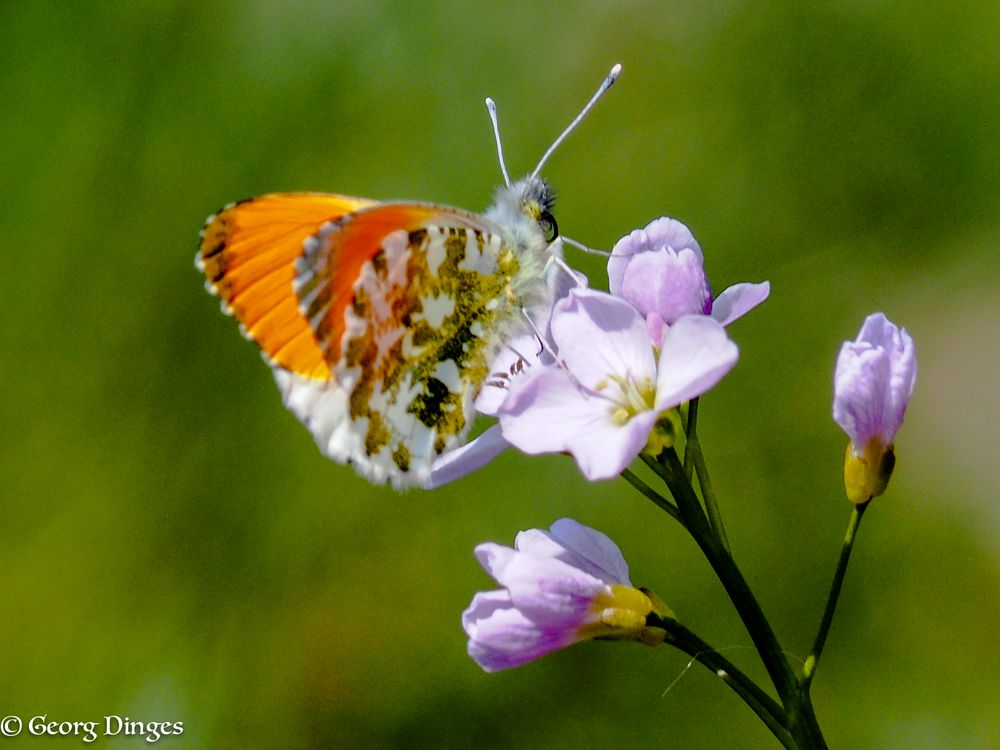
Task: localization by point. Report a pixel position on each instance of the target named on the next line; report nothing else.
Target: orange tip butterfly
(381, 320)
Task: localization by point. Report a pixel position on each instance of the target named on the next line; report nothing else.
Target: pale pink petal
(874, 381)
(580, 546)
(494, 558)
(657, 236)
(667, 232)
(484, 604)
(550, 591)
(672, 284)
(695, 355)
(546, 408)
(597, 335)
(538, 542)
(605, 455)
(466, 459)
(738, 300)
(548, 413)
(661, 270)
(594, 552)
(501, 637)
(655, 325)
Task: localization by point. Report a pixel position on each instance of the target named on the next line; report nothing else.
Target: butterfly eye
(549, 227)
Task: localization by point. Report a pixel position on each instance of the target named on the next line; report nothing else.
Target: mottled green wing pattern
(430, 308)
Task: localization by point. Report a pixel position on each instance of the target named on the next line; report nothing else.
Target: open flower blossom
(605, 390)
(872, 388)
(561, 586)
(660, 270)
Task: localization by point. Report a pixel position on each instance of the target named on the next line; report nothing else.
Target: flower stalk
(812, 661)
(749, 610)
(695, 459)
(767, 709)
(800, 723)
(661, 502)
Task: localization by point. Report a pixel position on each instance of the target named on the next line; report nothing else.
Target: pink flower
(660, 270)
(602, 398)
(872, 387)
(560, 587)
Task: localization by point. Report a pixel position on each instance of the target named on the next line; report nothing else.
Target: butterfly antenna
(607, 83)
(491, 107)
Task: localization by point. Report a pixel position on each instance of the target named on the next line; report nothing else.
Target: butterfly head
(537, 201)
(525, 209)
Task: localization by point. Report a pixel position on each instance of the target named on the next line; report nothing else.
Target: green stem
(772, 714)
(809, 669)
(761, 633)
(803, 725)
(649, 492)
(693, 455)
(657, 467)
(690, 433)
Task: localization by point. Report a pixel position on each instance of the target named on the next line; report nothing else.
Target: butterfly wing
(248, 252)
(380, 320)
(410, 303)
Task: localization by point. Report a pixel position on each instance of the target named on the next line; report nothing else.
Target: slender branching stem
(793, 722)
(809, 669)
(690, 433)
(694, 458)
(762, 704)
(649, 492)
(729, 575)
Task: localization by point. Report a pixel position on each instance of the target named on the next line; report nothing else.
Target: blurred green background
(172, 545)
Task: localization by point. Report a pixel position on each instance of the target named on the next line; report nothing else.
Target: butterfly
(381, 320)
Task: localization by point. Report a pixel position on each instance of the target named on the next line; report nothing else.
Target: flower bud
(873, 384)
(660, 271)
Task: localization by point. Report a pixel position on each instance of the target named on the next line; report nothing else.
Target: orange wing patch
(248, 252)
(334, 258)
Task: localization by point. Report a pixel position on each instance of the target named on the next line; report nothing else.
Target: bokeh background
(172, 545)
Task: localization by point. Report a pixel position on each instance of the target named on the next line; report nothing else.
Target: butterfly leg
(584, 248)
(547, 347)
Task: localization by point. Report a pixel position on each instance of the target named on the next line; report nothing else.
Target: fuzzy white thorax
(524, 235)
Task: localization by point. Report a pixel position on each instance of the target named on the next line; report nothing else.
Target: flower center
(633, 396)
